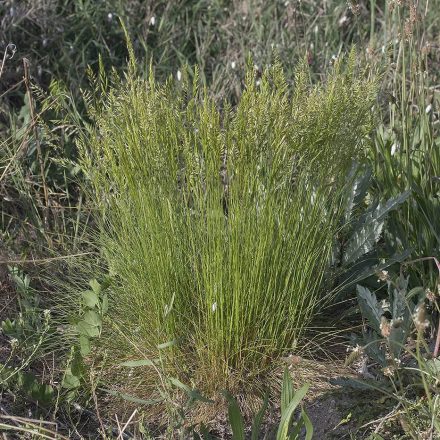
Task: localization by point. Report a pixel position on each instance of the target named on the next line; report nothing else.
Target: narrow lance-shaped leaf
(287, 391)
(286, 418)
(235, 418)
(258, 420)
(138, 363)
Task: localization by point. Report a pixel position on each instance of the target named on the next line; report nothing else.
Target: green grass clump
(219, 225)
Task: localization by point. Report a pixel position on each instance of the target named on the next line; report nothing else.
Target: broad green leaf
(372, 344)
(32, 386)
(432, 366)
(195, 395)
(178, 384)
(167, 344)
(131, 398)
(137, 363)
(96, 287)
(360, 384)
(258, 420)
(86, 329)
(287, 391)
(308, 424)
(92, 318)
(84, 343)
(90, 298)
(368, 231)
(399, 304)
(70, 381)
(382, 210)
(369, 306)
(396, 339)
(235, 418)
(283, 429)
(357, 190)
(77, 367)
(363, 240)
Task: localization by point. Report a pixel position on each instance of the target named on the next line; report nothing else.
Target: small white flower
(152, 20)
(394, 148)
(179, 75)
(428, 109)
(258, 82)
(109, 16)
(214, 307)
(233, 64)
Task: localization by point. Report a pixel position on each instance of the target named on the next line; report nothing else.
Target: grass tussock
(218, 225)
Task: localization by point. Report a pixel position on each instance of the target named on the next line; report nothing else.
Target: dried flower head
(420, 320)
(410, 22)
(430, 295)
(388, 371)
(354, 7)
(354, 354)
(383, 275)
(385, 327)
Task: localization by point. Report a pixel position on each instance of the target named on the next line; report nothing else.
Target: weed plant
(218, 225)
(405, 154)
